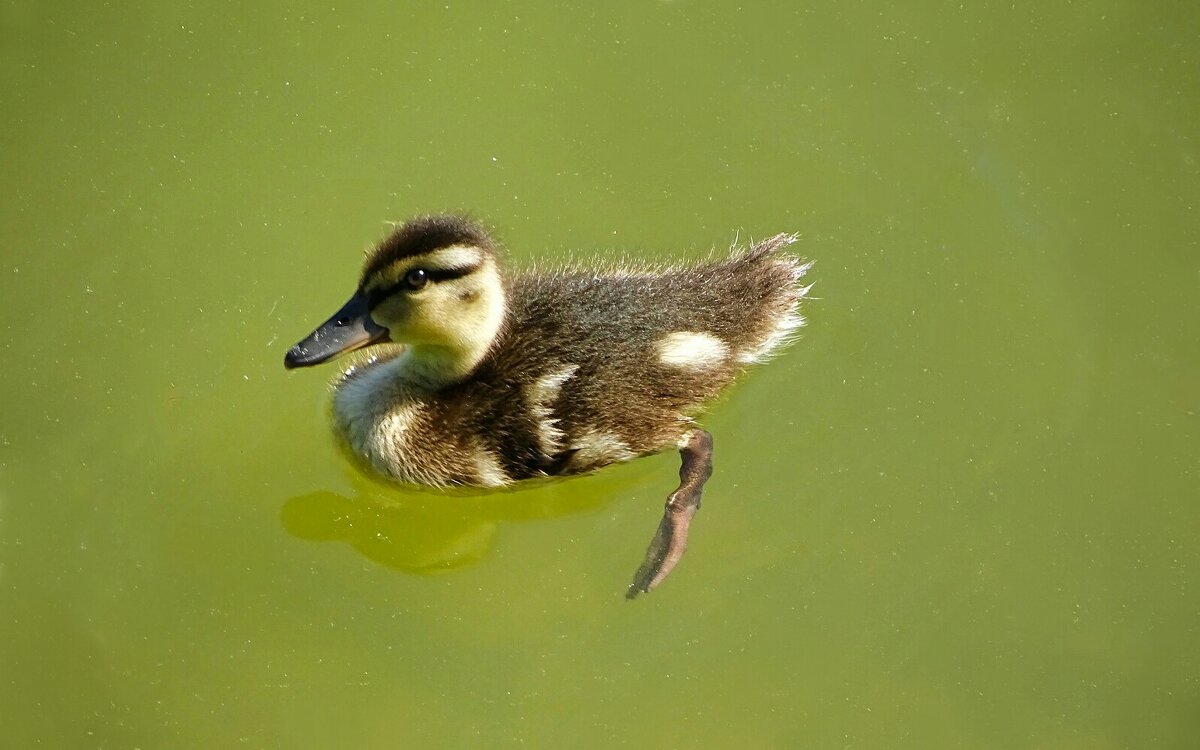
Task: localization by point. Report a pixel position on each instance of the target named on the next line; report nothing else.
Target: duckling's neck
(433, 367)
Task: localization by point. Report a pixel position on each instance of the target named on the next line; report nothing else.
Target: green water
(963, 511)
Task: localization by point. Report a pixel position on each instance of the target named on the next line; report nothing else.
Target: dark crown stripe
(423, 235)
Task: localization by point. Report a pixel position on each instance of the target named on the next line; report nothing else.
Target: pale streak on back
(540, 395)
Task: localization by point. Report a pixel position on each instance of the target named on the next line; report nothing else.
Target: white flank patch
(391, 431)
(540, 395)
(596, 449)
(689, 349)
(488, 469)
(385, 443)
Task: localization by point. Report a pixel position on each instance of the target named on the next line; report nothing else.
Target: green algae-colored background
(963, 511)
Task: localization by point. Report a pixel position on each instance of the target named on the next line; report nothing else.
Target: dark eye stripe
(375, 296)
(445, 274)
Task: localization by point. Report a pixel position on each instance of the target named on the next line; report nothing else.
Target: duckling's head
(434, 285)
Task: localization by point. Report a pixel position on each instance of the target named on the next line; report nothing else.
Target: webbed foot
(670, 540)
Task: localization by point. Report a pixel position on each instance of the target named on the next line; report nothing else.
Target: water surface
(960, 512)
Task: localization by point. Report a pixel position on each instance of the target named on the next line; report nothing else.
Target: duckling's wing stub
(350, 328)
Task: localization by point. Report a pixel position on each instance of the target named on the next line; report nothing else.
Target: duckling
(478, 378)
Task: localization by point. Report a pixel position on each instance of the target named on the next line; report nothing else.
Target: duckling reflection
(417, 540)
(494, 379)
(426, 532)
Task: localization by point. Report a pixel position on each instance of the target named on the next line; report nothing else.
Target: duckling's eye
(415, 279)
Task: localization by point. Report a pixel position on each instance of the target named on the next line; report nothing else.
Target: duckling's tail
(771, 245)
(777, 288)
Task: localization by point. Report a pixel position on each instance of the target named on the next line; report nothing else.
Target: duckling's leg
(671, 538)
